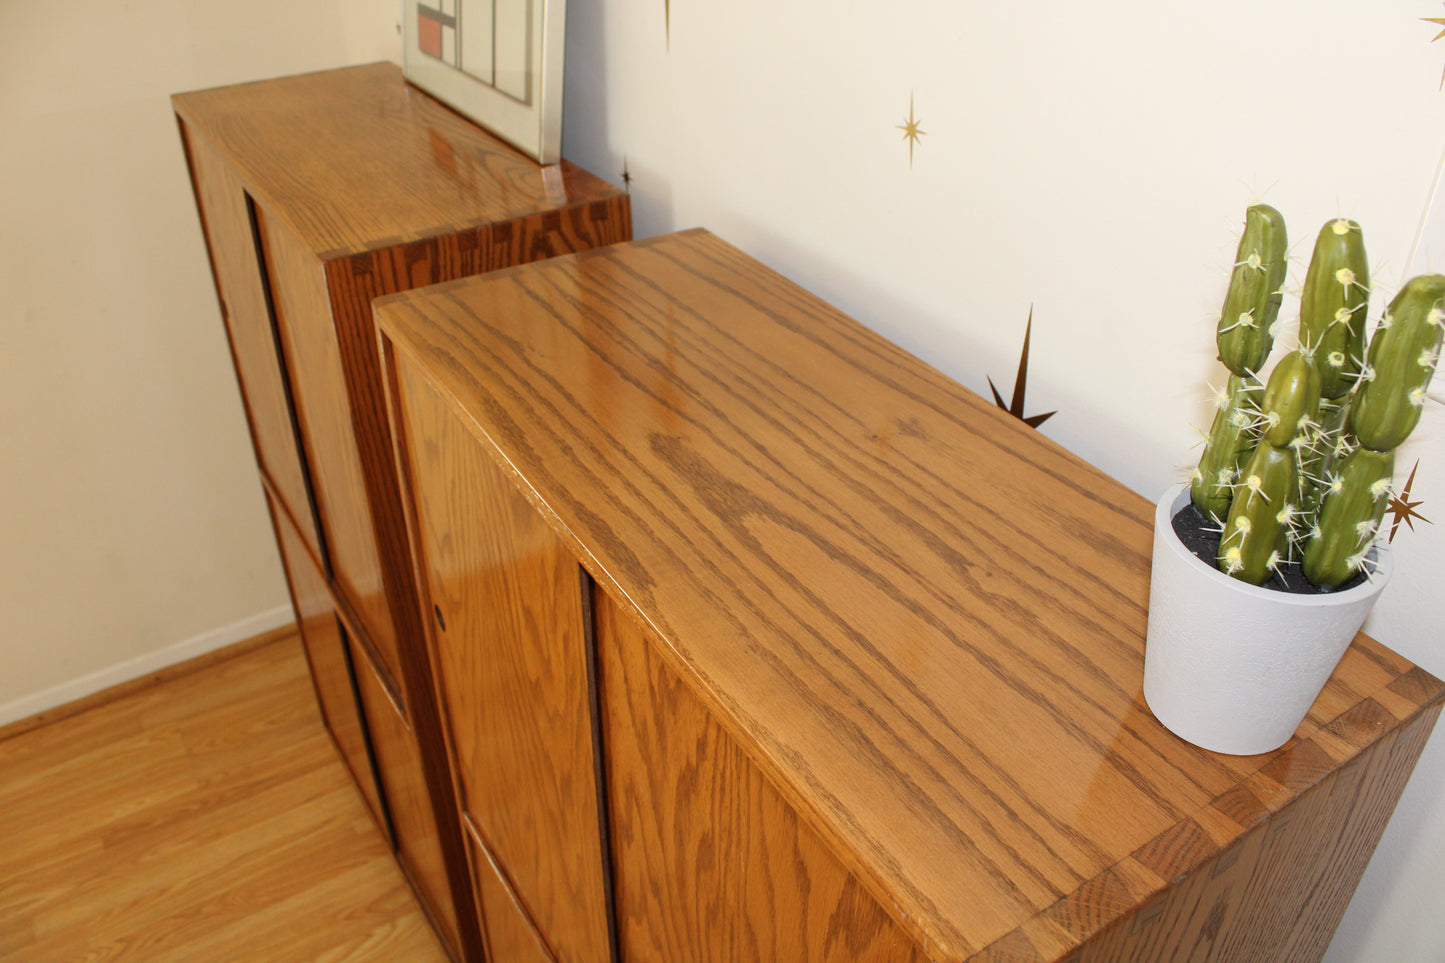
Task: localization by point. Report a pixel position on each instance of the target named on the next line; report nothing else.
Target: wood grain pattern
(397, 166)
(314, 355)
(921, 620)
(363, 185)
(326, 652)
(399, 764)
(711, 864)
(510, 934)
(205, 818)
(255, 352)
(511, 653)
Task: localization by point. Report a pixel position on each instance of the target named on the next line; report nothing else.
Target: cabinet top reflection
(923, 620)
(390, 164)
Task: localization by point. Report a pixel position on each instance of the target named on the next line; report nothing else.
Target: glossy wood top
(423, 169)
(923, 620)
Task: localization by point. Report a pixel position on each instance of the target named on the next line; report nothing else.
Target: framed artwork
(497, 61)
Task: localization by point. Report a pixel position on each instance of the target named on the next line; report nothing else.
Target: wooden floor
(207, 818)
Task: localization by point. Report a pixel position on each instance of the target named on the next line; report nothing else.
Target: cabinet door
(323, 407)
(398, 760)
(326, 651)
(226, 215)
(511, 649)
(511, 937)
(713, 865)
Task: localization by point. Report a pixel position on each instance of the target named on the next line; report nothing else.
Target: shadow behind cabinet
(318, 193)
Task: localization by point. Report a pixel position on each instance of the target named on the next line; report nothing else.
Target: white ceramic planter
(1233, 667)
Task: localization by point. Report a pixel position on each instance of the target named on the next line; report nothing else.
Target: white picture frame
(498, 62)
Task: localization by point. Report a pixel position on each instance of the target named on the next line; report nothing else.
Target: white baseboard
(59, 695)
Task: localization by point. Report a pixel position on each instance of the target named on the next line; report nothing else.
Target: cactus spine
(1384, 409)
(1265, 509)
(1333, 303)
(1231, 439)
(1349, 518)
(1403, 356)
(1246, 324)
(1317, 448)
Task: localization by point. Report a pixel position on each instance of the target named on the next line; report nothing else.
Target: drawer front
(712, 864)
(511, 937)
(326, 651)
(511, 648)
(245, 307)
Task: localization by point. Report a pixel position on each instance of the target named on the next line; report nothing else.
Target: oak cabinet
(317, 194)
(758, 639)
(509, 635)
(329, 655)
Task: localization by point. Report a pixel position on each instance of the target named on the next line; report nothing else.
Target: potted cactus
(1265, 564)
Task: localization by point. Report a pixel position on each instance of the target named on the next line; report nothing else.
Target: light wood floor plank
(207, 817)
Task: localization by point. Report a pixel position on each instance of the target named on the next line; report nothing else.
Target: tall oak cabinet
(318, 193)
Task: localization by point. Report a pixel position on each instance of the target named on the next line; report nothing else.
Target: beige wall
(133, 526)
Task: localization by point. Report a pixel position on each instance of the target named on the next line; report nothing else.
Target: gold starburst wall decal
(1016, 408)
(1403, 509)
(911, 131)
(667, 21)
(1439, 22)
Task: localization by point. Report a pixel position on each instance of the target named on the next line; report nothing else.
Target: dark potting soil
(1198, 535)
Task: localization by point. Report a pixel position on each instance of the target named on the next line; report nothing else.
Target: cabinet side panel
(711, 864)
(399, 760)
(221, 198)
(321, 634)
(1276, 893)
(298, 285)
(511, 653)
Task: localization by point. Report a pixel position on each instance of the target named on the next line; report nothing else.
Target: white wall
(134, 532)
(1091, 160)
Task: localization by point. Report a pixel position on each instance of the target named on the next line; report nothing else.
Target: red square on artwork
(428, 35)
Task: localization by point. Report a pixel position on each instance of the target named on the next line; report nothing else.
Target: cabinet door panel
(510, 935)
(225, 215)
(712, 864)
(326, 650)
(398, 758)
(303, 314)
(512, 655)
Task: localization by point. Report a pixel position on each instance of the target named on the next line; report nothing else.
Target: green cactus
(1261, 515)
(1333, 303)
(1350, 517)
(1403, 356)
(1291, 404)
(1246, 324)
(1265, 508)
(1231, 439)
(1317, 482)
(1331, 443)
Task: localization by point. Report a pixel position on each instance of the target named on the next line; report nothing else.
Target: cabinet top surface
(358, 159)
(924, 620)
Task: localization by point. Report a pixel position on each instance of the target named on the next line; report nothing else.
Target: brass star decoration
(1016, 408)
(911, 130)
(1439, 22)
(1403, 509)
(626, 175)
(667, 21)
